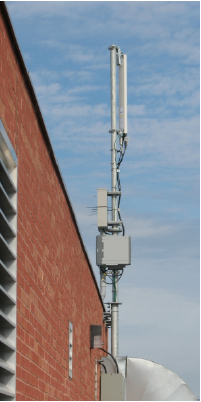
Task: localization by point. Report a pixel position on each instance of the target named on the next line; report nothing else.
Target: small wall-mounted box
(113, 251)
(102, 207)
(95, 336)
(112, 387)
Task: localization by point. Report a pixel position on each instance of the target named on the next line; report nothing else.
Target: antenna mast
(113, 252)
(113, 131)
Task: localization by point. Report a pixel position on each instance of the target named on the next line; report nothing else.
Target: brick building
(48, 291)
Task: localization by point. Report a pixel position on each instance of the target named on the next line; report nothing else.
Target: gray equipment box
(113, 251)
(112, 387)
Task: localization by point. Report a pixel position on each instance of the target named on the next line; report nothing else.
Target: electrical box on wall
(95, 336)
(112, 387)
(113, 251)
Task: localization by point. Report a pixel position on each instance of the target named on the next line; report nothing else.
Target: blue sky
(64, 45)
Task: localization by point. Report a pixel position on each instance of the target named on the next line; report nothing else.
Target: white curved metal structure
(149, 381)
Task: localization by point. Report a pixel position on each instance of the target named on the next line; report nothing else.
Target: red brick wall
(55, 284)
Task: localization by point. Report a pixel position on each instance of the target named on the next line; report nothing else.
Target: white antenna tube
(123, 95)
(113, 131)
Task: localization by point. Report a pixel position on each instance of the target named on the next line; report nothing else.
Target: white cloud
(80, 76)
(178, 87)
(155, 308)
(167, 141)
(136, 110)
(141, 228)
(145, 20)
(84, 88)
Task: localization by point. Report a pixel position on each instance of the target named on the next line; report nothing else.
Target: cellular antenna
(125, 378)
(113, 252)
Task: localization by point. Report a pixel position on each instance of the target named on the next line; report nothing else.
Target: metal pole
(114, 308)
(102, 285)
(114, 329)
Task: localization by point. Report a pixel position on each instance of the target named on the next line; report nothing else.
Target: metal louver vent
(8, 267)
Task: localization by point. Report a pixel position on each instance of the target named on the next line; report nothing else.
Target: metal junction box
(113, 251)
(112, 387)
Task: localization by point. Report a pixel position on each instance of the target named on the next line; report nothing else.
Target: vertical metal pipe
(114, 330)
(102, 285)
(114, 326)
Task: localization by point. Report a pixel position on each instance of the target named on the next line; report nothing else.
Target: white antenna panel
(123, 95)
(102, 207)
